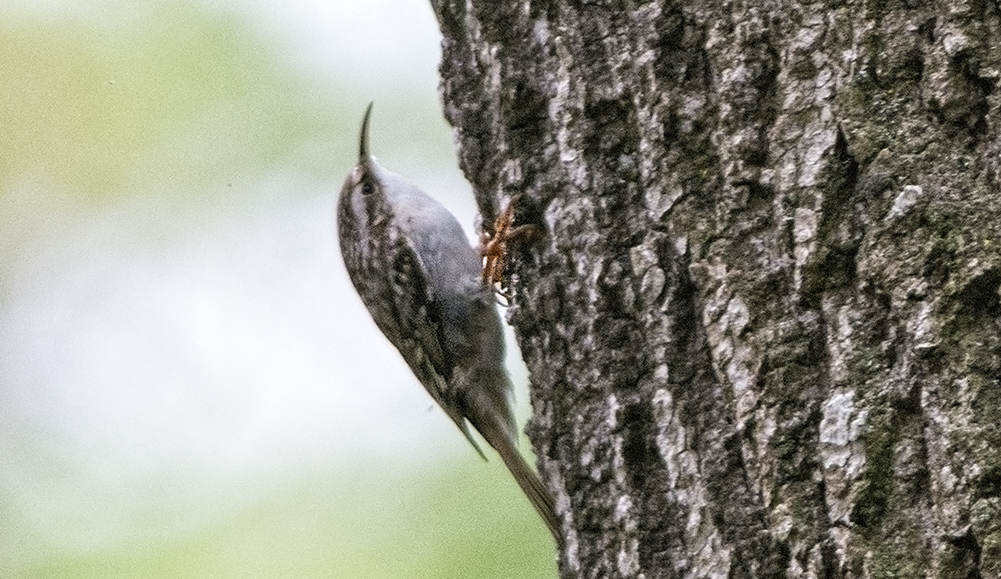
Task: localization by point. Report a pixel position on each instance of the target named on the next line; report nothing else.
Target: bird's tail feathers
(530, 483)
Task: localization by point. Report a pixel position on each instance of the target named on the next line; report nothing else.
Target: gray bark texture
(763, 325)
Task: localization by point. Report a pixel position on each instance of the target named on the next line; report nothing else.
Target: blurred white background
(188, 384)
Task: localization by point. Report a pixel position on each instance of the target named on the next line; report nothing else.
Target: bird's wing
(417, 314)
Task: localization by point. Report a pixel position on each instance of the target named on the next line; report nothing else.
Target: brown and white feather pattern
(420, 279)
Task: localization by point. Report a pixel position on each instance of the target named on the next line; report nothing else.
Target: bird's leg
(494, 247)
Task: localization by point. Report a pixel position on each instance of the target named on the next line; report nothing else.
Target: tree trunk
(764, 324)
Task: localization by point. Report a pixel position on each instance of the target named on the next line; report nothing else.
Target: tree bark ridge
(764, 325)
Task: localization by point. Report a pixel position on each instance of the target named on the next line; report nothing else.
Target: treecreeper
(423, 284)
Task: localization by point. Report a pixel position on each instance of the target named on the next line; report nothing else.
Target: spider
(494, 247)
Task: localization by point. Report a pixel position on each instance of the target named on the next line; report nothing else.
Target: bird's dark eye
(367, 187)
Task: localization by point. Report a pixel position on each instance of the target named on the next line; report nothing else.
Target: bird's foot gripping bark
(495, 247)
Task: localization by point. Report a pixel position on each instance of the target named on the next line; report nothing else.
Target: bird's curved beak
(363, 139)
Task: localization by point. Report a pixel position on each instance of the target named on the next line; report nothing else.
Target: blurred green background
(189, 387)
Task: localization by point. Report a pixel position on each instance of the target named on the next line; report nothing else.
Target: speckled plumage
(417, 274)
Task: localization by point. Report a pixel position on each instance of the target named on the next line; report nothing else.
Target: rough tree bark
(764, 325)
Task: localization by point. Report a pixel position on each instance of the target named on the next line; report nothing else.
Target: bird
(422, 282)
